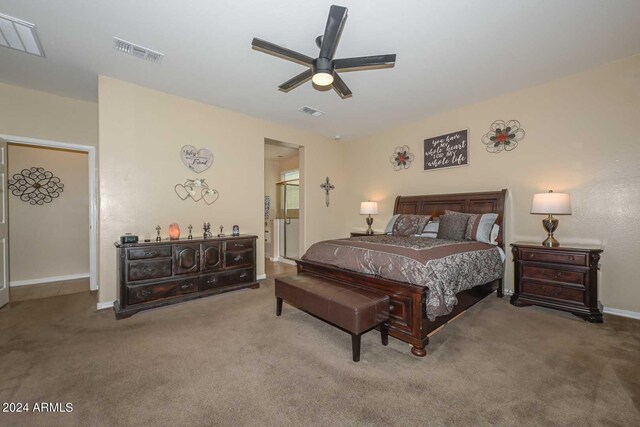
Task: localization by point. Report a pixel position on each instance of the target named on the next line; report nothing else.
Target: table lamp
(369, 208)
(551, 204)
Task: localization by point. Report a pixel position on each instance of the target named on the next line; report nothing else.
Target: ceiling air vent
(19, 35)
(137, 50)
(311, 111)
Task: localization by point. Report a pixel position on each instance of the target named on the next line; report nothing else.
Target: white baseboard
(273, 259)
(261, 276)
(284, 261)
(48, 280)
(623, 313)
(607, 310)
(103, 305)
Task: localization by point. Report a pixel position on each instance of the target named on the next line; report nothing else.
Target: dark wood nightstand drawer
(556, 275)
(554, 257)
(551, 291)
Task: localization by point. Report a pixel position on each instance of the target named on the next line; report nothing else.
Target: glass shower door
(288, 214)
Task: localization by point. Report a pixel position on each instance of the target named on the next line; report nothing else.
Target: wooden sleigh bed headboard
(436, 204)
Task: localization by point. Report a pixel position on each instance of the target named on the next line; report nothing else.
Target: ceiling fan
(323, 69)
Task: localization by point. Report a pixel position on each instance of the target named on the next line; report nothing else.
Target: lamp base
(369, 223)
(550, 224)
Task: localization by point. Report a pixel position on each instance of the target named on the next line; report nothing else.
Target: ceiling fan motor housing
(322, 65)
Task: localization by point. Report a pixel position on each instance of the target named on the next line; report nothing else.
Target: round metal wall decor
(36, 186)
(503, 136)
(401, 158)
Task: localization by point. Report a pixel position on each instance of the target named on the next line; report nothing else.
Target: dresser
(563, 278)
(363, 234)
(155, 274)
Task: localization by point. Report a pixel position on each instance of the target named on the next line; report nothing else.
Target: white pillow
(430, 230)
(389, 228)
(494, 234)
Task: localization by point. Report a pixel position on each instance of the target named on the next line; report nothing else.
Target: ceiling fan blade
(293, 83)
(340, 87)
(365, 62)
(281, 52)
(335, 23)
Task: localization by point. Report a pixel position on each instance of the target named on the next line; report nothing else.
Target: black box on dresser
(154, 274)
(563, 277)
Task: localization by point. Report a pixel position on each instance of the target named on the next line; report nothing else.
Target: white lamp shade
(551, 203)
(368, 208)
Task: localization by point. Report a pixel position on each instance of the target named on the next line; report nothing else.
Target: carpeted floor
(228, 360)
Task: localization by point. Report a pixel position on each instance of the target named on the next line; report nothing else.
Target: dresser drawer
(152, 269)
(149, 252)
(555, 257)
(572, 277)
(575, 295)
(218, 280)
(238, 258)
(239, 244)
(140, 294)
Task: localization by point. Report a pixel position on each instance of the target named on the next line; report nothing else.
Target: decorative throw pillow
(479, 227)
(453, 225)
(409, 225)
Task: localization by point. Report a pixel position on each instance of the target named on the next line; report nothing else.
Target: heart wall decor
(197, 160)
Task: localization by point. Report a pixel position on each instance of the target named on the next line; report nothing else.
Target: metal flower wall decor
(401, 158)
(503, 136)
(36, 186)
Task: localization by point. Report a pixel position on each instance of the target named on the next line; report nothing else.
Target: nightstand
(564, 278)
(362, 233)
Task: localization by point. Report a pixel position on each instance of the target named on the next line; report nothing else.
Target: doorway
(51, 217)
(283, 197)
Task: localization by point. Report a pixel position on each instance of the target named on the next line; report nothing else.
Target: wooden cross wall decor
(327, 186)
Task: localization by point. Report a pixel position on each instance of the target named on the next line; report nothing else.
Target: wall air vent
(311, 111)
(137, 50)
(19, 35)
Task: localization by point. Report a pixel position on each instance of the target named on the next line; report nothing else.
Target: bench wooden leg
(355, 347)
(278, 306)
(384, 333)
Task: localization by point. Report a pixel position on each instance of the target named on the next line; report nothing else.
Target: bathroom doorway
(282, 201)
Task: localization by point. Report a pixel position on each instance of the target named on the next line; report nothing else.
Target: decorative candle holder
(190, 237)
(158, 238)
(174, 231)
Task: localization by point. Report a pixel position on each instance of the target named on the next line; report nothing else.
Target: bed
(409, 320)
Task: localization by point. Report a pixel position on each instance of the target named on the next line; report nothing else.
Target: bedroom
(576, 94)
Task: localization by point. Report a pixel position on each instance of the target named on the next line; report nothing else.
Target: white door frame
(93, 201)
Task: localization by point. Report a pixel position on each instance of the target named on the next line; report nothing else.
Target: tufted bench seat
(355, 310)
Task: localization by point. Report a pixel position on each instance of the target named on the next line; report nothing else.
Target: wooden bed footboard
(407, 315)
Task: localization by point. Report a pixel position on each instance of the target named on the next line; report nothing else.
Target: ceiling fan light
(322, 78)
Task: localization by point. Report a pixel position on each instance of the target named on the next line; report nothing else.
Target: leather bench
(352, 309)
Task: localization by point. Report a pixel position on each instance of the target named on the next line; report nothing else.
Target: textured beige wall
(35, 114)
(53, 239)
(582, 137)
(141, 133)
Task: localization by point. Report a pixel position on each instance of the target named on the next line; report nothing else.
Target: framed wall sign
(198, 160)
(446, 151)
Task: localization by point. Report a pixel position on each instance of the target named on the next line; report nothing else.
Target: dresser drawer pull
(558, 274)
(212, 281)
(391, 307)
(145, 292)
(243, 275)
(150, 253)
(186, 286)
(238, 245)
(572, 258)
(149, 270)
(238, 258)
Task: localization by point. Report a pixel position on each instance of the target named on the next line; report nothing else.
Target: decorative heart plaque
(198, 160)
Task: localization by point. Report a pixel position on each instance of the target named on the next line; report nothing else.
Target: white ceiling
(450, 53)
(274, 150)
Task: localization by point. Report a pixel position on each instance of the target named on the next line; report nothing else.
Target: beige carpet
(228, 360)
